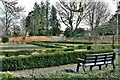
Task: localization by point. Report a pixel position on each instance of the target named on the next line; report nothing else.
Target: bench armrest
(80, 60)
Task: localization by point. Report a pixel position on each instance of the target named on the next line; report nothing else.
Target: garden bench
(92, 60)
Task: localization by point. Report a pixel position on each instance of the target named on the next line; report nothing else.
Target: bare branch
(69, 14)
(10, 13)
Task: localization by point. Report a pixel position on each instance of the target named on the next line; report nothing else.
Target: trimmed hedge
(76, 42)
(44, 60)
(16, 52)
(29, 52)
(96, 46)
(81, 45)
(46, 44)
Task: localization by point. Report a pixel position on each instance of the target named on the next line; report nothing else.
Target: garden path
(54, 70)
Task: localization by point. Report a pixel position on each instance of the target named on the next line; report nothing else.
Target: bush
(88, 47)
(44, 60)
(5, 39)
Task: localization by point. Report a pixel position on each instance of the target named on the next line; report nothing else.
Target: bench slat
(98, 60)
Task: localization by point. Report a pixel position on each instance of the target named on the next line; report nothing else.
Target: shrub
(88, 47)
(23, 40)
(44, 60)
(5, 39)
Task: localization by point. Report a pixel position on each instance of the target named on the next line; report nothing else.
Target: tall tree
(36, 20)
(10, 14)
(98, 15)
(43, 21)
(23, 24)
(32, 20)
(28, 24)
(54, 23)
(71, 14)
(47, 16)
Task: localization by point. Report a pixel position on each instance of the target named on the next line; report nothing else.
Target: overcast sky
(28, 4)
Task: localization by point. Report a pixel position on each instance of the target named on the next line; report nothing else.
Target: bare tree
(10, 14)
(71, 13)
(98, 15)
(23, 24)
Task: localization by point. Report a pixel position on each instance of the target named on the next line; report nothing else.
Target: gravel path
(56, 69)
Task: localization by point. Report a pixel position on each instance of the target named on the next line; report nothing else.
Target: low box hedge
(47, 44)
(44, 60)
(9, 53)
(96, 46)
(76, 42)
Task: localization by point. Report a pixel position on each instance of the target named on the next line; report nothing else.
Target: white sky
(28, 4)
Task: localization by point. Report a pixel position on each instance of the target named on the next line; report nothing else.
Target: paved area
(55, 69)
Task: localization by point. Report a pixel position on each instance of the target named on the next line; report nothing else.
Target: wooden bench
(96, 60)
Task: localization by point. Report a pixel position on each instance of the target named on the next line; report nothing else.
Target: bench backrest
(110, 56)
(101, 57)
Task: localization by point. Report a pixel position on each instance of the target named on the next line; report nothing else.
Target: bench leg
(99, 67)
(106, 65)
(84, 68)
(77, 67)
(113, 66)
(91, 68)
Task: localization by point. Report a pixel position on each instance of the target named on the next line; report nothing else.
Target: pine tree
(54, 23)
(36, 20)
(43, 22)
(32, 20)
(47, 16)
(42, 28)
